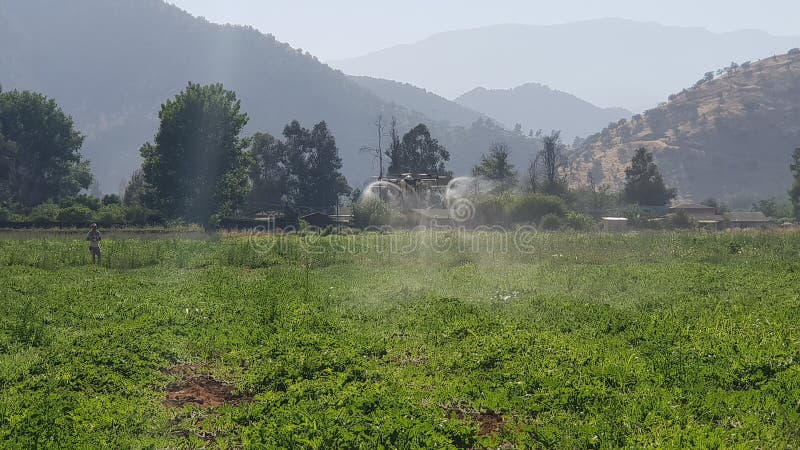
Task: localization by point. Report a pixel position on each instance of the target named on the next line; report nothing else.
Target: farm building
(738, 219)
(615, 224)
(694, 210)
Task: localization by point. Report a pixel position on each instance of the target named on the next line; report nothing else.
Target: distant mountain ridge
(535, 106)
(111, 63)
(420, 100)
(608, 62)
(727, 136)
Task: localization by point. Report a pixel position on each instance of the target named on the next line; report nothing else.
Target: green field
(674, 340)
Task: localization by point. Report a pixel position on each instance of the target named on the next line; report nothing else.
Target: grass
(583, 341)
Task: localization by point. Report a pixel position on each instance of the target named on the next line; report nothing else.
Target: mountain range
(608, 62)
(727, 136)
(112, 63)
(534, 106)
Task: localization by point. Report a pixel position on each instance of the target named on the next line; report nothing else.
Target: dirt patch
(489, 422)
(196, 386)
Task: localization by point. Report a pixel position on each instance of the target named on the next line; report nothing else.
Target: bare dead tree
(547, 170)
(377, 152)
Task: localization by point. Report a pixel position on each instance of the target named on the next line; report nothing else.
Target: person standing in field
(94, 239)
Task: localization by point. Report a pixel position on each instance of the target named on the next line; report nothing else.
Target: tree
(547, 169)
(418, 152)
(643, 182)
(135, 189)
(196, 168)
(496, 167)
(269, 174)
(377, 152)
(794, 193)
(39, 151)
(314, 177)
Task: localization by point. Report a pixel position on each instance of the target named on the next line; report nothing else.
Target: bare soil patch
(489, 422)
(196, 386)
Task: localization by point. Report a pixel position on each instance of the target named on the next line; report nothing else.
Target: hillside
(731, 135)
(608, 62)
(535, 107)
(111, 63)
(421, 101)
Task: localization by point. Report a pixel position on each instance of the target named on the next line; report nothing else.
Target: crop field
(667, 340)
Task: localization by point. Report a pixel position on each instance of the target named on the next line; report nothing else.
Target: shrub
(46, 212)
(139, 215)
(74, 214)
(5, 214)
(579, 222)
(531, 208)
(680, 221)
(111, 199)
(374, 212)
(551, 222)
(88, 201)
(110, 214)
(492, 210)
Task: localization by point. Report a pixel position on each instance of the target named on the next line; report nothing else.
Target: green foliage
(111, 199)
(773, 208)
(110, 214)
(312, 166)
(45, 212)
(494, 209)
(551, 222)
(5, 214)
(92, 203)
(39, 151)
(375, 213)
(640, 340)
(578, 222)
(75, 214)
(196, 169)
(532, 208)
(135, 190)
(417, 152)
(643, 182)
(680, 221)
(497, 168)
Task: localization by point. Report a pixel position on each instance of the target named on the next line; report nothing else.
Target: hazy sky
(333, 29)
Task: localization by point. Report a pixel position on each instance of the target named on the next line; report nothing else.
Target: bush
(110, 214)
(551, 222)
(493, 210)
(139, 215)
(75, 214)
(111, 199)
(46, 212)
(531, 208)
(374, 213)
(5, 214)
(88, 201)
(680, 221)
(579, 222)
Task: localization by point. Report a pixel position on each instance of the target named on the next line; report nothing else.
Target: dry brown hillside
(730, 135)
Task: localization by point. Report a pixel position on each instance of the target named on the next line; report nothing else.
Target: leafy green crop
(672, 340)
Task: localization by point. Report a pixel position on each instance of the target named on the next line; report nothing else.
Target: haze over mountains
(535, 107)
(111, 63)
(733, 135)
(608, 62)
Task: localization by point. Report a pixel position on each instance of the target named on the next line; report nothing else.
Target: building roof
(739, 216)
(707, 218)
(615, 219)
(691, 206)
